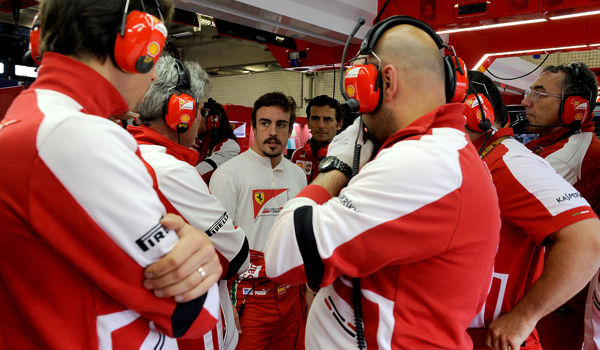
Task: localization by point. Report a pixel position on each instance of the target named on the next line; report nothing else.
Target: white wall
(245, 89)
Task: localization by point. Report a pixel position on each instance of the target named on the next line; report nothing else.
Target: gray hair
(153, 106)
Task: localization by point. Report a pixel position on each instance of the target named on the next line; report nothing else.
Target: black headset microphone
(522, 120)
(351, 104)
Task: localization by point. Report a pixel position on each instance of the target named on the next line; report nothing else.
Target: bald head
(416, 57)
(412, 75)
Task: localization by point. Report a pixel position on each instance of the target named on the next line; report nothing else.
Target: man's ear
(389, 82)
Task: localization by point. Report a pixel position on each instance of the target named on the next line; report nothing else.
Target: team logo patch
(300, 164)
(568, 197)
(153, 49)
(350, 90)
(259, 197)
(261, 292)
(346, 202)
(253, 272)
(247, 291)
(262, 196)
(281, 289)
(472, 102)
(217, 225)
(308, 168)
(186, 105)
(352, 72)
(152, 237)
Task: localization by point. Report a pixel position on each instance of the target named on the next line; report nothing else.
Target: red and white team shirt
(419, 225)
(183, 192)
(80, 221)
(210, 160)
(577, 159)
(307, 161)
(535, 202)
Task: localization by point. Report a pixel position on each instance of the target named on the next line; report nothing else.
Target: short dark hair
(324, 100)
(491, 92)
(586, 87)
(88, 28)
(287, 104)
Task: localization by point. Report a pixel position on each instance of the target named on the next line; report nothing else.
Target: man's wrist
(332, 181)
(331, 163)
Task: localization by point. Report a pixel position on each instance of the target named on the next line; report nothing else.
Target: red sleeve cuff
(316, 193)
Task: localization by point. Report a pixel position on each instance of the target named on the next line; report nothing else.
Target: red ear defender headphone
(34, 43)
(362, 83)
(213, 116)
(180, 108)
(213, 119)
(479, 113)
(140, 41)
(574, 108)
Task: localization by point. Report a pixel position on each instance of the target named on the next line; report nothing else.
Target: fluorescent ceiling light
(245, 71)
(591, 13)
(1, 68)
(25, 71)
(510, 53)
(508, 24)
(478, 64)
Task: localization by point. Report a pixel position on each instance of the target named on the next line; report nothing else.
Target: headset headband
(576, 72)
(368, 44)
(183, 81)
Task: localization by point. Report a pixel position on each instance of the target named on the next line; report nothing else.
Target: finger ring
(202, 272)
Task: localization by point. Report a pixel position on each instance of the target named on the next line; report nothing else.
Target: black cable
(333, 95)
(241, 310)
(357, 147)
(359, 22)
(524, 75)
(356, 297)
(356, 292)
(16, 8)
(487, 138)
(381, 11)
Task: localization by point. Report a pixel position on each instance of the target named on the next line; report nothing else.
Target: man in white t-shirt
(253, 187)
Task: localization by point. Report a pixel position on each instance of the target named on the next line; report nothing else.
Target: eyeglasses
(535, 95)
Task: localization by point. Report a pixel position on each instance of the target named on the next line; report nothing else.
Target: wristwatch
(333, 163)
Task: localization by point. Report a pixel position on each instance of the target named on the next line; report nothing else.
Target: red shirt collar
(79, 81)
(478, 142)
(562, 133)
(446, 116)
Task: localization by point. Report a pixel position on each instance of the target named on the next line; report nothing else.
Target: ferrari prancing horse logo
(259, 197)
